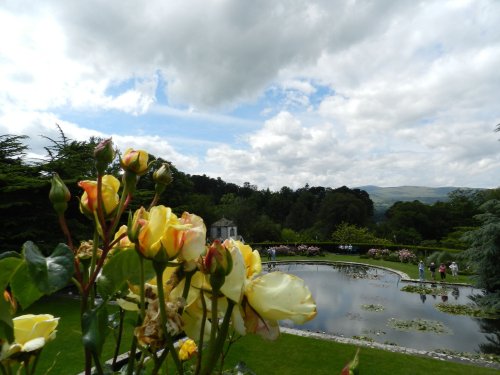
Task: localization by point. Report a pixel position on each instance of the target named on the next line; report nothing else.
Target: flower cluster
(378, 253)
(178, 284)
(288, 250)
(407, 256)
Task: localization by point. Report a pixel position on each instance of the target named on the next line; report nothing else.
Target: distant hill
(385, 197)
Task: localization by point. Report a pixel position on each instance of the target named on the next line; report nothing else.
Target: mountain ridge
(384, 197)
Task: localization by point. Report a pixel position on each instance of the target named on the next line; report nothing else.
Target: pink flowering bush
(378, 253)
(406, 256)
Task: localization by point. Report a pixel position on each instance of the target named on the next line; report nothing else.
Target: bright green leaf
(51, 273)
(8, 267)
(122, 267)
(23, 287)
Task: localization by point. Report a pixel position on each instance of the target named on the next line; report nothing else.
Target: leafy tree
(343, 205)
(290, 236)
(264, 229)
(72, 160)
(24, 206)
(12, 149)
(483, 254)
(349, 233)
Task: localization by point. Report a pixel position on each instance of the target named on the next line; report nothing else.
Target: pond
(357, 301)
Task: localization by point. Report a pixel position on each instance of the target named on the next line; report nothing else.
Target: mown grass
(288, 355)
(294, 355)
(410, 269)
(64, 355)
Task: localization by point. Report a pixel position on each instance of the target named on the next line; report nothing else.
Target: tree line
(307, 214)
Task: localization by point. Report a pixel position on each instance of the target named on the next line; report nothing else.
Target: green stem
(215, 318)
(141, 286)
(202, 332)
(217, 346)
(155, 200)
(124, 200)
(133, 348)
(35, 362)
(100, 203)
(159, 361)
(64, 228)
(159, 268)
(187, 285)
(98, 366)
(78, 285)
(93, 262)
(119, 338)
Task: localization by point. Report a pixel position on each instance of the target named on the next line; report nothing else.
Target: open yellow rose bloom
(32, 332)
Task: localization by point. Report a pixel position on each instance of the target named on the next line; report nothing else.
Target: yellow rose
(135, 161)
(110, 199)
(124, 242)
(279, 296)
(160, 233)
(187, 349)
(194, 237)
(251, 258)
(32, 332)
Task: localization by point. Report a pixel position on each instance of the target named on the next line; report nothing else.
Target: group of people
(441, 269)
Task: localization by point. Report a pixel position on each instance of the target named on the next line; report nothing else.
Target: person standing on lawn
(442, 271)
(454, 269)
(421, 269)
(432, 268)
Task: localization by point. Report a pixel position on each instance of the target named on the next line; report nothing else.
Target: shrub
(378, 253)
(406, 256)
(313, 251)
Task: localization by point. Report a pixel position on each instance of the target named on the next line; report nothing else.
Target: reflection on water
(340, 292)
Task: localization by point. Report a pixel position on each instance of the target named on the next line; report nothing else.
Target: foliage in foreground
(484, 254)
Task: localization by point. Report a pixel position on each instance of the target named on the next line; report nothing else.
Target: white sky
(275, 93)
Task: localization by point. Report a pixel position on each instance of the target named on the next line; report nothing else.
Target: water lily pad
(373, 307)
(419, 325)
(420, 289)
(363, 338)
(469, 310)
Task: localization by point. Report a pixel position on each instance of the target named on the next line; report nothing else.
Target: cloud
(274, 93)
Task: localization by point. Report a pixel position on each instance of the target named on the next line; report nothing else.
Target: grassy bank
(410, 269)
(289, 355)
(294, 355)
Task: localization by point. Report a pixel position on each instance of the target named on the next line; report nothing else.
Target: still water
(341, 291)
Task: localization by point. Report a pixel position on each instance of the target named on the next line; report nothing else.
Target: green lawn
(289, 355)
(294, 355)
(410, 269)
(65, 353)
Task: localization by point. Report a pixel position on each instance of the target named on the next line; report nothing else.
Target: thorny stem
(64, 228)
